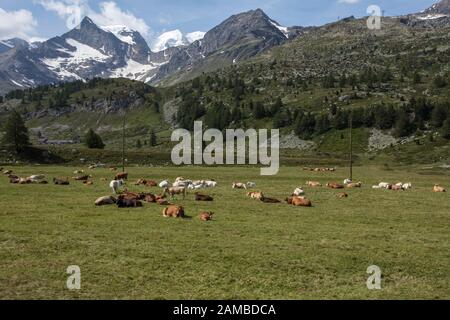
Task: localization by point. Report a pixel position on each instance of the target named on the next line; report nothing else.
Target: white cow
(348, 181)
(238, 185)
(115, 185)
(195, 186)
(210, 184)
(164, 184)
(384, 185)
(407, 186)
(251, 185)
(299, 192)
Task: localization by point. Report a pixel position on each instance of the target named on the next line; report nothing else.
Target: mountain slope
(85, 52)
(239, 37)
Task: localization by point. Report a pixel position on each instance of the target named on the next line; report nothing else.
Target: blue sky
(47, 18)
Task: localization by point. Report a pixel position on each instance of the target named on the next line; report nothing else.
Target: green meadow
(250, 250)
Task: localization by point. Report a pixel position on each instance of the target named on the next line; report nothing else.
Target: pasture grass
(250, 251)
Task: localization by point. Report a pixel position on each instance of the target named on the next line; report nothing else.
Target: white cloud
(349, 1)
(109, 14)
(20, 24)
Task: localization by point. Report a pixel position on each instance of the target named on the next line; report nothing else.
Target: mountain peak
(86, 21)
(441, 7)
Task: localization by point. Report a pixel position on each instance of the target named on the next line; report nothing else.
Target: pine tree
(260, 111)
(403, 125)
(93, 140)
(16, 133)
(153, 140)
(445, 130)
(139, 144)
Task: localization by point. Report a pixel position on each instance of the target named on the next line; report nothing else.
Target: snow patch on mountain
(284, 30)
(122, 33)
(194, 36)
(84, 53)
(77, 58)
(6, 44)
(431, 16)
(134, 70)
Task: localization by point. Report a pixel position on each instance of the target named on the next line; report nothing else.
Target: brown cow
(335, 185)
(88, 183)
(131, 196)
(61, 182)
(255, 195)
(151, 183)
(151, 198)
(103, 201)
(397, 187)
(313, 184)
(129, 203)
(203, 197)
(354, 185)
(342, 195)
(13, 179)
(438, 188)
(299, 202)
(121, 176)
(174, 212)
(206, 216)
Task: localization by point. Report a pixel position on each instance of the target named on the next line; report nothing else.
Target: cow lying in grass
(174, 212)
(437, 188)
(298, 192)
(239, 185)
(203, 197)
(255, 195)
(61, 182)
(313, 184)
(104, 201)
(335, 185)
(125, 203)
(299, 201)
(354, 185)
(206, 216)
(145, 182)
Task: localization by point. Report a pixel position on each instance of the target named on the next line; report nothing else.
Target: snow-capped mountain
(175, 38)
(237, 38)
(82, 53)
(9, 44)
(436, 11)
(442, 7)
(89, 51)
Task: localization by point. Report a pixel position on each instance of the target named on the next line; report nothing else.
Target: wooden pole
(123, 143)
(351, 144)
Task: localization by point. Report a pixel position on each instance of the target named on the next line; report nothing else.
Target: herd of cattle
(126, 199)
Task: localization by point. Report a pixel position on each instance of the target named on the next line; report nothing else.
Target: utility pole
(351, 144)
(123, 143)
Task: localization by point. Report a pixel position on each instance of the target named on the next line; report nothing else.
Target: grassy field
(250, 251)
